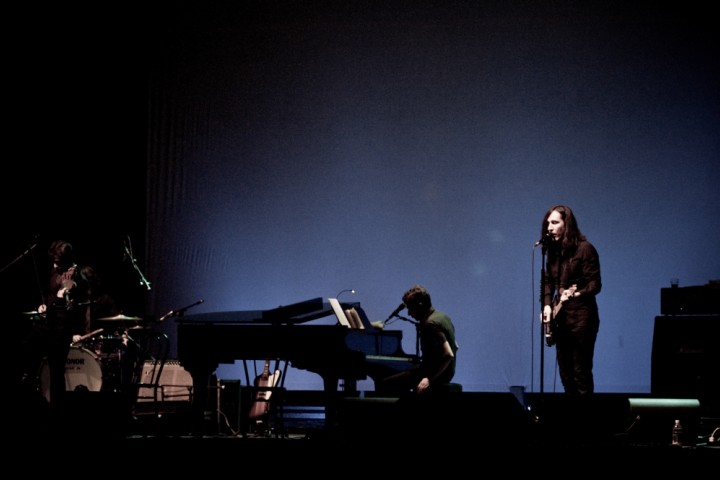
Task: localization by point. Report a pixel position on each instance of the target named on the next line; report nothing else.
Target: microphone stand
(542, 325)
(128, 250)
(417, 333)
(143, 281)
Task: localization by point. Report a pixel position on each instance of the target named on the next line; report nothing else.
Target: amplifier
(176, 382)
(699, 300)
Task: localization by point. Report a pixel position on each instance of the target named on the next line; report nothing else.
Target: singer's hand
(547, 311)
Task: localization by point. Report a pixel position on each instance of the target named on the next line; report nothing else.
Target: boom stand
(542, 325)
(417, 333)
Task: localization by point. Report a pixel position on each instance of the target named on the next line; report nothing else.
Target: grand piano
(335, 352)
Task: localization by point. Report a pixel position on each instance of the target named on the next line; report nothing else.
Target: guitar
(549, 321)
(264, 382)
(68, 283)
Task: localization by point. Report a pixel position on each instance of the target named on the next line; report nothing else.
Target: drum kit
(100, 360)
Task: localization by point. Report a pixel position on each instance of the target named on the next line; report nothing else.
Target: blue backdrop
(263, 153)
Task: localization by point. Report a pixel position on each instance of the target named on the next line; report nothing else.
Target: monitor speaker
(652, 419)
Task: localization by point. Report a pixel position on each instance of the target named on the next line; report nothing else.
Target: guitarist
(572, 279)
(64, 320)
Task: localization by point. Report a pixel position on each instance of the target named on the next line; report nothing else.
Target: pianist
(437, 344)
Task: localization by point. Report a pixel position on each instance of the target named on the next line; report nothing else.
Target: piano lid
(294, 313)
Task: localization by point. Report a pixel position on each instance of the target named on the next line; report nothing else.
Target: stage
(533, 429)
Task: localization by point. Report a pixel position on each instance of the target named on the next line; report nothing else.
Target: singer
(571, 281)
(437, 344)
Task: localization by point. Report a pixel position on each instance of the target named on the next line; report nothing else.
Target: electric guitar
(264, 382)
(549, 322)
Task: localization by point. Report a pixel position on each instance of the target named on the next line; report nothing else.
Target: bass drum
(82, 370)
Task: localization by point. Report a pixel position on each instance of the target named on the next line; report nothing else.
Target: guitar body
(551, 323)
(263, 382)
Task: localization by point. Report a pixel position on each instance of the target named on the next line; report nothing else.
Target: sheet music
(339, 313)
(354, 318)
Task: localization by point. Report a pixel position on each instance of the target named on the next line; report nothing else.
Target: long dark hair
(572, 235)
(61, 253)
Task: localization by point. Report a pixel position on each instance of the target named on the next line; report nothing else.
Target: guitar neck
(266, 370)
(562, 299)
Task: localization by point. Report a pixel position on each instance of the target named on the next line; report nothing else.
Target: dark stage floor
(469, 429)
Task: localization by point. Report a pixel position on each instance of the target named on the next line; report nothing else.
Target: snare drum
(82, 370)
(109, 347)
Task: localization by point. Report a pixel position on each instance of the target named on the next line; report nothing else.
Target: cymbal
(120, 318)
(31, 313)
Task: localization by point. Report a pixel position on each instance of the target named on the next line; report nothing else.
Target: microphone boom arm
(29, 249)
(409, 320)
(180, 311)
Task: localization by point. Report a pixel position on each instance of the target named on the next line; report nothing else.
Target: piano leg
(201, 403)
(330, 384)
(333, 396)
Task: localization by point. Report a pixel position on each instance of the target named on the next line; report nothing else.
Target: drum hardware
(109, 347)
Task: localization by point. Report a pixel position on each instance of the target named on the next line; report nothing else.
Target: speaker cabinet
(697, 300)
(685, 354)
(229, 416)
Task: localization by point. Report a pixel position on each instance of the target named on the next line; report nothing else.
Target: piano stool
(373, 414)
(356, 414)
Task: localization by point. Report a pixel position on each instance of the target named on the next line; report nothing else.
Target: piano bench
(447, 388)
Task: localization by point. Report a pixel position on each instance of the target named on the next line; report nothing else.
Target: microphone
(545, 239)
(396, 311)
(32, 245)
(179, 311)
(171, 313)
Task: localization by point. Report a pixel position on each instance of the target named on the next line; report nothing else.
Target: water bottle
(677, 433)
